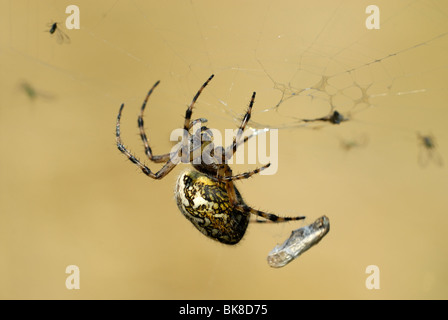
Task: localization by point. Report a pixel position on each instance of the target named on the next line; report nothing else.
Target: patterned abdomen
(206, 204)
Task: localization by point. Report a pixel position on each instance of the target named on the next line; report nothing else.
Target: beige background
(67, 195)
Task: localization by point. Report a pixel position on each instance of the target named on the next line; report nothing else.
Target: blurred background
(69, 197)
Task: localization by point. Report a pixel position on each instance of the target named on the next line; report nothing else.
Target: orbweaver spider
(206, 196)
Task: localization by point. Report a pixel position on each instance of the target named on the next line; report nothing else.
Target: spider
(206, 195)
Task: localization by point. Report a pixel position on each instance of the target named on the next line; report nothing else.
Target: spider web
(304, 69)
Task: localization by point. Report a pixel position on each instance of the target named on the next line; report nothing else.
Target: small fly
(32, 93)
(56, 31)
(428, 150)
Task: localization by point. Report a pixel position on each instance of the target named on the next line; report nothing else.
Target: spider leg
(189, 111)
(187, 122)
(236, 140)
(169, 165)
(227, 152)
(244, 175)
(200, 120)
(148, 151)
(270, 217)
(225, 171)
(258, 220)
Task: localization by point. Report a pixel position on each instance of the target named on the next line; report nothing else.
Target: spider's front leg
(188, 123)
(236, 140)
(222, 156)
(141, 126)
(172, 161)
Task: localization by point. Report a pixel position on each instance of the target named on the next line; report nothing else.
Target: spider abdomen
(205, 203)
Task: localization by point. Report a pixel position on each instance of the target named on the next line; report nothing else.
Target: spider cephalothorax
(206, 196)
